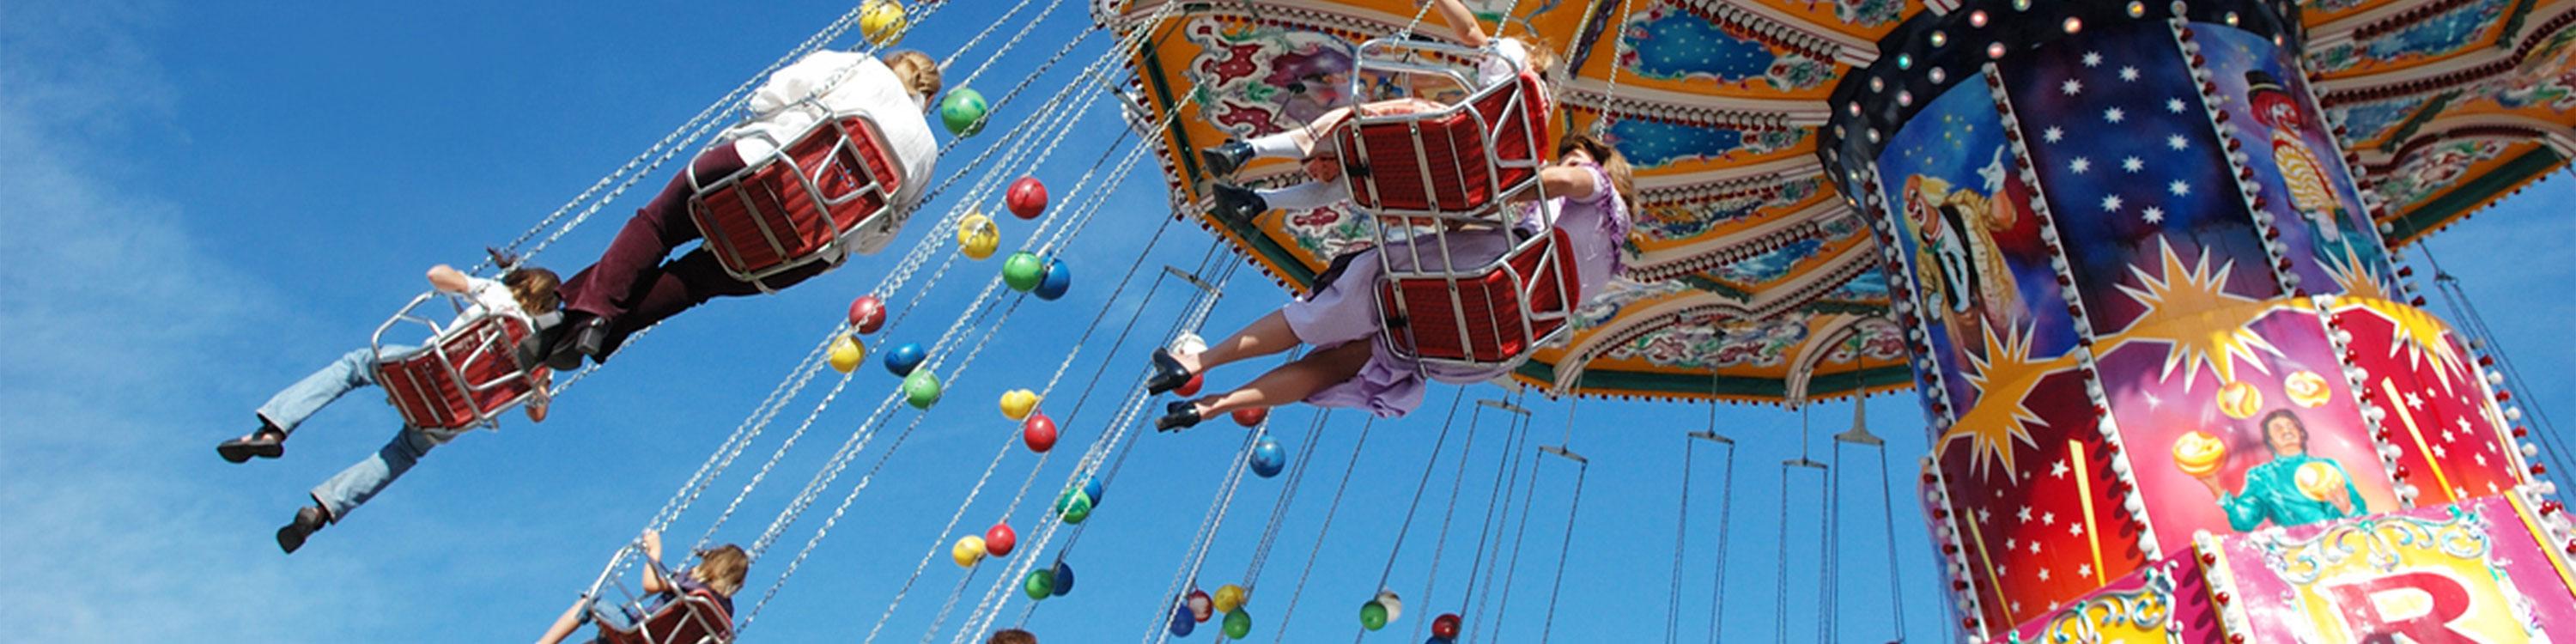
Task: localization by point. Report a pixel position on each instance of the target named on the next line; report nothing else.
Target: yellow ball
(1229, 597)
(978, 237)
(847, 353)
(1018, 403)
(970, 549)
(2198, 453)
(882, 22)
(2240, 400)
(2319, 481)
(2308, 389)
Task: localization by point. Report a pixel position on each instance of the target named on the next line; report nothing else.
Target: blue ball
(1268, 458)
(1052, 285)
(903, 359)
(1063, 578)
(1091, 488)
(1182, 624)
(1435, 639)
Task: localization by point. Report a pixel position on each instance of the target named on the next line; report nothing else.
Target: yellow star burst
(2355, 278)
(2003, 378)
(2419, 336)
(2190, 310)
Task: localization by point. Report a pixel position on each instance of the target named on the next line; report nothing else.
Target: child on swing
(526, 291)
(1590, 189)
(631, 287)
(719, 574)
(1510, 57)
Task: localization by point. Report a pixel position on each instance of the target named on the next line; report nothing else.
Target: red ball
(1039, 432)
(1191, 388)
(1251, 416)
(999, 540)
(1445, 626)
(867, 314)
(1027, 198)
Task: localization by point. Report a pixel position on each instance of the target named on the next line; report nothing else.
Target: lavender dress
(1341, 312)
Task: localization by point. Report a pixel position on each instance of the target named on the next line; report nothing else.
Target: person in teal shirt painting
(2272, 491)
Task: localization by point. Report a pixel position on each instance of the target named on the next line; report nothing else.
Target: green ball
(1040, 584)
(1237, 624)
(921, 389)
(1023, 271)
(1078, 509)
(963, 111)
(1372, 615)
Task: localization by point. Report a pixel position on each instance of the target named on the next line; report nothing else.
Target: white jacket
(867, 87)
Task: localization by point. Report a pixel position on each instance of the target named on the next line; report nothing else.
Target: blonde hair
(1542, 55)
(918, 71)
(1623, 179)
(534, 288)
(722, 569)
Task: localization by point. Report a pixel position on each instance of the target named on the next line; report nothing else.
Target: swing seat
(795, 205)
(694, 618)
(1489, 316)
(465, 376)
(1459, 162)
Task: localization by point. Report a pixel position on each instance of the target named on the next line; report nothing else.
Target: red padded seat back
(1492, 301)
(776, 215)
(1439, 162)
(425, 385)
(694, 618)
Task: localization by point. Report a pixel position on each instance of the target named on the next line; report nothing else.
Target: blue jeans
(353, 486)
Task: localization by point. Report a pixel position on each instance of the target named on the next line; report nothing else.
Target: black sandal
(267, 442)
(1168, 374)
(1181, 414)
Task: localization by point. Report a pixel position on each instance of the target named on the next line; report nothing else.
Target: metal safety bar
(808, 182)
(1399, 57)
(489, 341)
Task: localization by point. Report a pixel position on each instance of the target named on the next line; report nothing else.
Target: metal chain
(1299, 591)
(1440, 545)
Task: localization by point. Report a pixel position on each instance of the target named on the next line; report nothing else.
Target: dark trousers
(632, 288)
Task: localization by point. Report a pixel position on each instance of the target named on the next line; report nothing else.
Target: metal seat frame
(490, 335)
(857, 163)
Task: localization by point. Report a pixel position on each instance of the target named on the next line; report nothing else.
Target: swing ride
(1838, 199)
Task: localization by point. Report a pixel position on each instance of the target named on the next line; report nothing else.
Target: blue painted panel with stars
(1654, 144)
(2132, 168)
(1666, 43)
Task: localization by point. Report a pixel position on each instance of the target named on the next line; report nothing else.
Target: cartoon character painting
(1957, 260)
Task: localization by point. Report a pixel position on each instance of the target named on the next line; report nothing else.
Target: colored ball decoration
(2240, 400)
(1394, 605)
(963, 111)
(1023, 271)
(2307, 389)
(1237, 624)
(1227, 598)
(847, 353)
(978, 237)
(1017, 403)
(1201, 606)
(1091, 488)
(1251, 416)
(969, 549)
(1038, 432)
(905, 357)
(2320, 481)
(2199, 454)
(1040, 584)
(1372, 615)
(1063, 578)
(1268, 458)
(1054, 280)
(1182, 625)
(1027, 198)
(1000, 539)
(883, 22)
(1445, 626)
(1191, 388)
(1075, 508)
(921, 389)
(867, 314)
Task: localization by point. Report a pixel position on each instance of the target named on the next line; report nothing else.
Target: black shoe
(1181, 414)
(308, 520)
(1223, 160)
(583, 337)
(1168, 374)
(1237, 204)
(267, 442)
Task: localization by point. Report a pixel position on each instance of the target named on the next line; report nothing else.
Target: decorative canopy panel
(1751, 278)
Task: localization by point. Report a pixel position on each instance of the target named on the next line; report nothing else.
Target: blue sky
(208, 200)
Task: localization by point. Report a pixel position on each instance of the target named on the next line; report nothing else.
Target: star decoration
(2179, 188)
(2043, 574)
(2073, 529)
(2092, 59)
(2129, 74)
(2071, 87)
(2053, 134)
(2174, 105)
(2133, 164)
(2419, 336)
(2177, 142)
(2152, 215)
(2059, 470)
(2114, 115)
(2004, 376)
(2048, 518)
(2080, 165)
(2025, 513)
(2111, 203)
(2183, 303)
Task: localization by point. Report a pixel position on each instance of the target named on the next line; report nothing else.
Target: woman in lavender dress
(1590, 190)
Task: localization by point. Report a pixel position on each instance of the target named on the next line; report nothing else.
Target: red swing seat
(466, 375)
(694, 618)
(1459, 162)
(1493, 315)
(793, 206)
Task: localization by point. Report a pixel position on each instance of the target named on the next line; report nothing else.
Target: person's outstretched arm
(653, 582)
(565, 625)
(1462, 22)
(447, 278)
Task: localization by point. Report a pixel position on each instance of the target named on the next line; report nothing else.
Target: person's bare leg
(1294, 381)
(565, 625)
(1266, 336)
